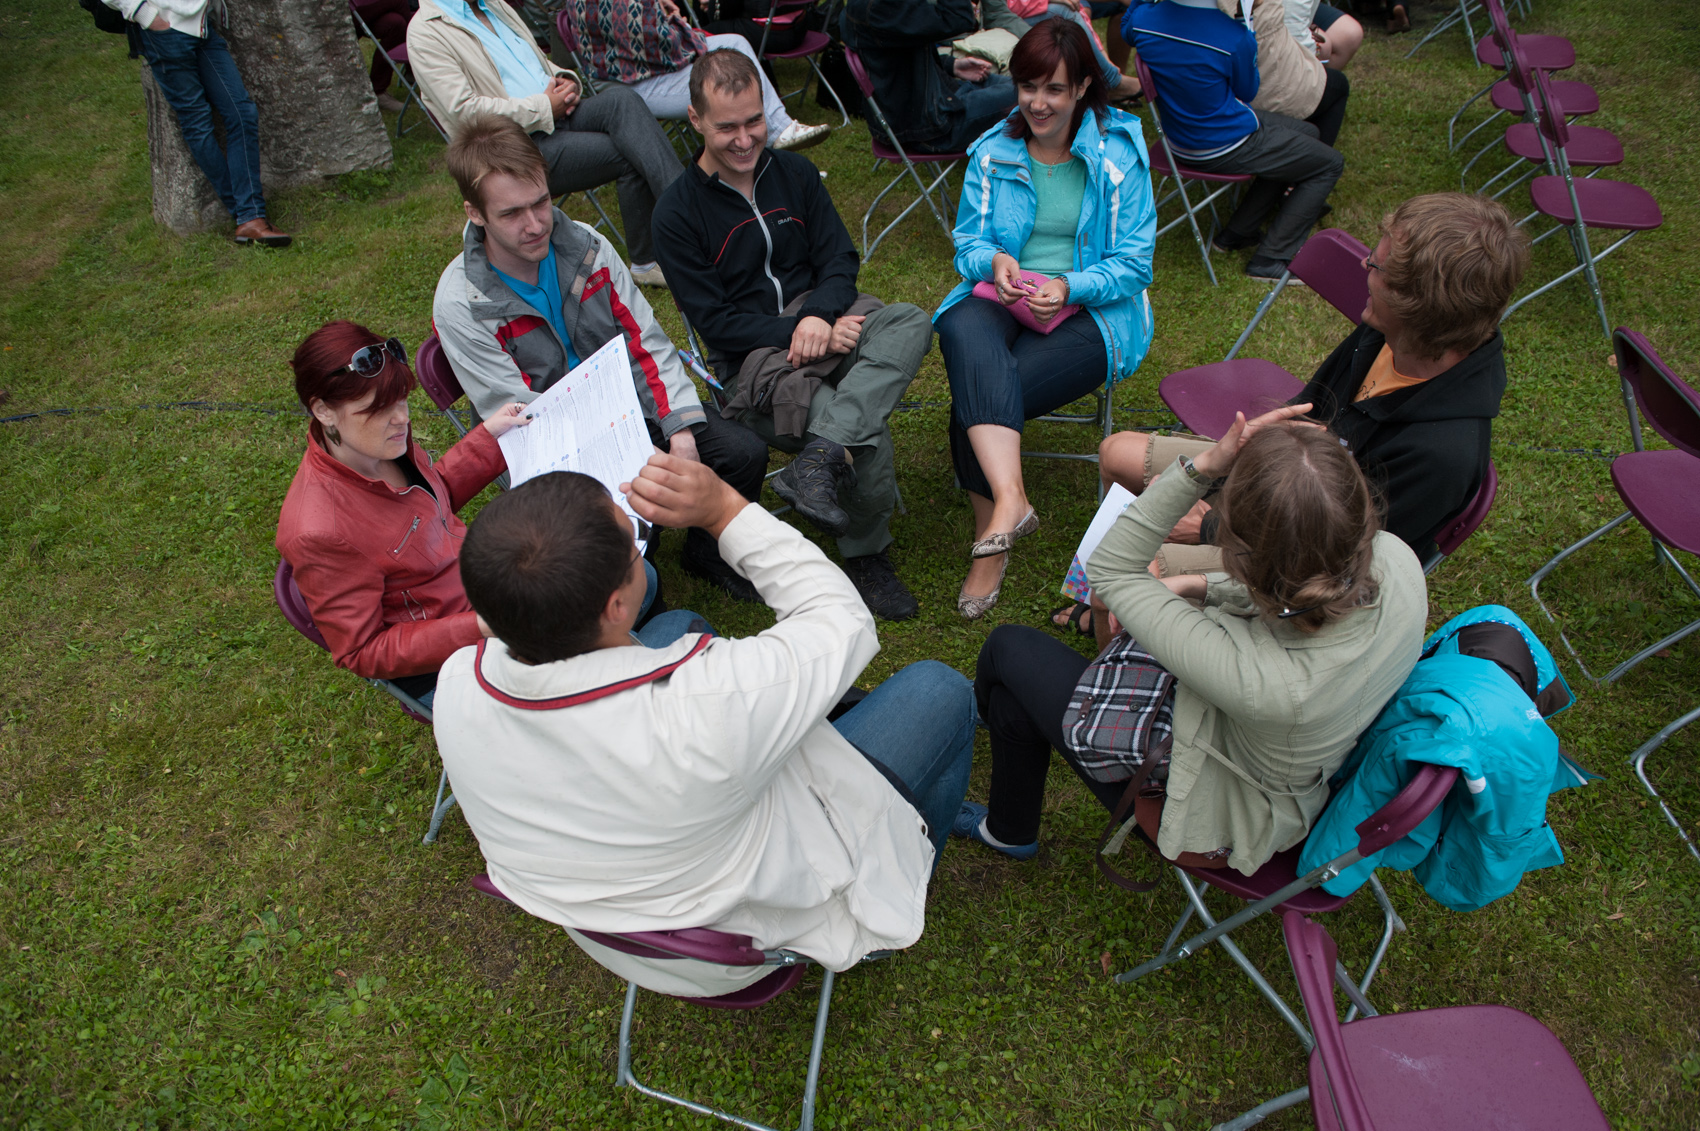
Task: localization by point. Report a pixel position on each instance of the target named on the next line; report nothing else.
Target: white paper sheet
(589, 421)
(1116, 500)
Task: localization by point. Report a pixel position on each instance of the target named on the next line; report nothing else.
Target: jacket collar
(1088, 145)
(489, 298)
(699, 177)
(1469, 390)
(323, 465)
(580, 679)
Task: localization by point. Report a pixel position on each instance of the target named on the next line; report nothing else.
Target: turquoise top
(545, 298)
(1060, 188)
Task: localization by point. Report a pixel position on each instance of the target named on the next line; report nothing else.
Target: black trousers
(1022, 684)
(1330, 113)
(735, 453)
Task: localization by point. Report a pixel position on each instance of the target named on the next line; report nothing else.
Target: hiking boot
(1229, 241)
(1259, 267)
(811, 482)
(706, 564)
(882, 590)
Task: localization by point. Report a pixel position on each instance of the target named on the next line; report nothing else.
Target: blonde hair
(1454, 262)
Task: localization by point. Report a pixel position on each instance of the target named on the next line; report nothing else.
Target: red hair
(322, 373)
(1047, 43)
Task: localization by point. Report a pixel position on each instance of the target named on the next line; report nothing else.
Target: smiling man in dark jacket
(762, 265)
(1412, 391)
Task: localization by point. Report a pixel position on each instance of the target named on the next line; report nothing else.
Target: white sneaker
(650, 278)
(799, 136)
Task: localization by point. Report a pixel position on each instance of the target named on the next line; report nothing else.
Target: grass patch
(218, 911)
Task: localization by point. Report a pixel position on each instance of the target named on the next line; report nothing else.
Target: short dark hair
(540, 562)
(1035, 60)
(321, 372)
(723, 69)
(490, 143)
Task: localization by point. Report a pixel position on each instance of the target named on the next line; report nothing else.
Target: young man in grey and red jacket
(762, 265)
(533, 293)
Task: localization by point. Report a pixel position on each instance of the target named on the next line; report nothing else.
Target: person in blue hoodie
(1204, 66)
(1056, 213)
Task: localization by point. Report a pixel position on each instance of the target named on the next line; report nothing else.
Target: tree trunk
(318, 116)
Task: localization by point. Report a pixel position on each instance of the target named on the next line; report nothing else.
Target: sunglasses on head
(369, 361)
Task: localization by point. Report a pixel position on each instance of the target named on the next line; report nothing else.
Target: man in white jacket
(192, 67)
(677, 779)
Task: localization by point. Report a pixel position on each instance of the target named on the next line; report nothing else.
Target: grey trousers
(1284, 151)
(612, 136)
(853, 407)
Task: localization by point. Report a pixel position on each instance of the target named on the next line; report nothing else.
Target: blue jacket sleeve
(976, 242)
(1125, 268)
(1245, 76)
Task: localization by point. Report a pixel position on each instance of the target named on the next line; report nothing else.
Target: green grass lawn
(216, 911)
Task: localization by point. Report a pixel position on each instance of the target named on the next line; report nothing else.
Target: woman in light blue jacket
(1056, 211)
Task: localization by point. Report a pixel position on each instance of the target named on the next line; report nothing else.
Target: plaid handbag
(1123, 707)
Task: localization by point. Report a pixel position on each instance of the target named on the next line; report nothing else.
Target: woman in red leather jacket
(369, 524)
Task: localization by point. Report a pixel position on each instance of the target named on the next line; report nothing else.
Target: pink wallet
(1019, 310)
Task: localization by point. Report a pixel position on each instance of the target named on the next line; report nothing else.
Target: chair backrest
(1501, 24)
(701, 944)
(1409, 808)
(294, 607)
(1553, 124)
(1669, 403)
(1148, 84)
(1452, 535)
(436, 375)
(1313, 955)
(1331, 263)
(564, 29)
(859, 73)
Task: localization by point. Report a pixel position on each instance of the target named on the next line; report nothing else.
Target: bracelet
(1191, 471)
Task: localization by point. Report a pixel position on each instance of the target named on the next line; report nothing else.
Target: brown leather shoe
(260, 231)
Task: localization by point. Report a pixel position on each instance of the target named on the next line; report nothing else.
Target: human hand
(972, 69)
(678, 493)
(1048, 299)
(507, 418)
(1006, 277)
(563, 95)
(683, 444)
(1186, 531)
(846, 332)
(160, 23)
(1216, 462)
(809, 341)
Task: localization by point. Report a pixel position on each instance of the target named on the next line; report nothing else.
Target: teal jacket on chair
(1458, 710)
(1113, 243)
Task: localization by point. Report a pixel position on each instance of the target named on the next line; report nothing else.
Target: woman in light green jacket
(1278, 664)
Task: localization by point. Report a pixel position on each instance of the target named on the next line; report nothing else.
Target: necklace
(1051, 166)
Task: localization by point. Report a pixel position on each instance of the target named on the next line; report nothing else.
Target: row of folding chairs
(1547, 148)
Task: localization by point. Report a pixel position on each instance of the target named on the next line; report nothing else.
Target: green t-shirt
(1060, 188)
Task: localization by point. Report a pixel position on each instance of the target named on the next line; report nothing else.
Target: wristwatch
(1197, 476)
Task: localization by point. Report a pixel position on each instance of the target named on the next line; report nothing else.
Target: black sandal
(1077, 611)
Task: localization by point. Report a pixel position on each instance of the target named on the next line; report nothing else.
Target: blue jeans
(1111, 73)
(1003, 373)
(987, 103)
(919, 726)
(196, 76)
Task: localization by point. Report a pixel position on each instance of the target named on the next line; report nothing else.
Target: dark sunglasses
(640, 528)
(369, 361)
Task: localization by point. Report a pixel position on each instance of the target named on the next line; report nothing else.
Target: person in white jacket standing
(192, 66)
(677, 779)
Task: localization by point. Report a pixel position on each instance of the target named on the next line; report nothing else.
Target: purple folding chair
(719, 948)
(1331, 263)
(890, 151)
(1464, 1066)
(437, 378)
(808, 48)
(300, 617)
(1165, 166)
(1577, 205)
(1205, 398)
(1661, 489)
(1548, 52)
(1277, 886)
(396, 57)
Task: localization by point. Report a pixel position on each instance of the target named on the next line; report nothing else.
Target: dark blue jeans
(1001, 373)
(987, 103)
(196, 76)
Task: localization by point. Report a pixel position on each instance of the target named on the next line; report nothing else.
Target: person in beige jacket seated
(1261, 677)
(474, 57)
(678, 779)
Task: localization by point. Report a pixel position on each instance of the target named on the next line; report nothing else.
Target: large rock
(318, 117)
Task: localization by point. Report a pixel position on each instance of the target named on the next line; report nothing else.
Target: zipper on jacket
(767, 236)
(406, 536)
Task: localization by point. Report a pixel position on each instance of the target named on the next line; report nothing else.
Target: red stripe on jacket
(634, 342)
(561, 701)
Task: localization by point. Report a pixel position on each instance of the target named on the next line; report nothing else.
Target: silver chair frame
(1639, 761)
(1101, 417)
(1449, 21)
(441, 806)
(1189, 211)
(397, 69)
(814, 65)
(941, 209)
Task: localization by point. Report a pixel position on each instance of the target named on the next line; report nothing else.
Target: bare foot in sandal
(1078, 617)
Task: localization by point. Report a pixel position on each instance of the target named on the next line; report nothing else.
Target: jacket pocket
(412, 529)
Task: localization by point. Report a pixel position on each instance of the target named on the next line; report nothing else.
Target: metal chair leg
(439, 809)
(1639, 761)
(1264, 1110)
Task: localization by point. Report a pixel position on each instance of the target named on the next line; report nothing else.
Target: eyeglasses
(1373, 265)
(640, 529)
(369, 361)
